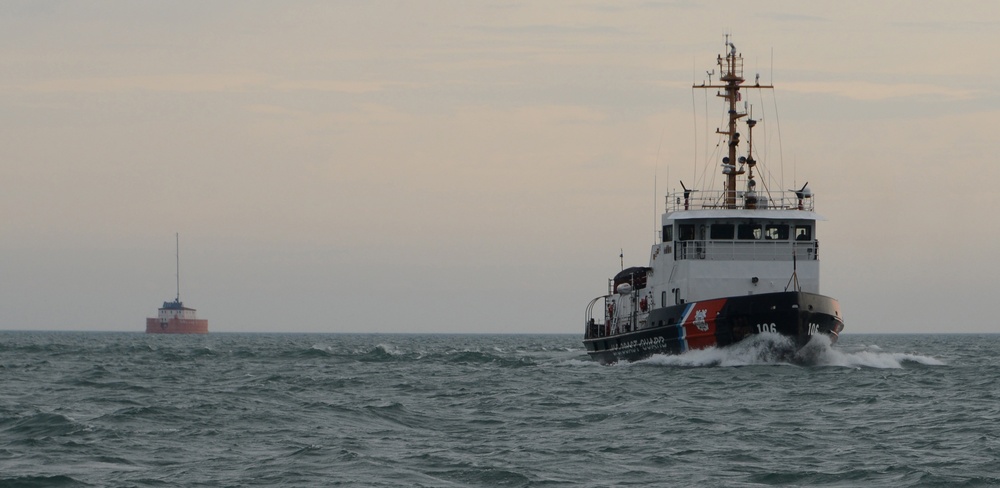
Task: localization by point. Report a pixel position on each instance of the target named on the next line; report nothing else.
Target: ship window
(668, 233)
(803, 232)
(749, 231)
(723, 231)
(776, 232)
(686, 232)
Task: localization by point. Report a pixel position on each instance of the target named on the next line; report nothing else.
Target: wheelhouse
(742, 238)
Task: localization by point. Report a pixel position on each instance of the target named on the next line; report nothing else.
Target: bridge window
(803, 232)
(776, 232)
(749, 231)
(723, 231)
(668, 233)
(686, 232)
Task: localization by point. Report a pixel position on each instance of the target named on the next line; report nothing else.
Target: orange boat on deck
(174, 317)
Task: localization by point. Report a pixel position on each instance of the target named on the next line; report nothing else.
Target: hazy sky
(463, 166)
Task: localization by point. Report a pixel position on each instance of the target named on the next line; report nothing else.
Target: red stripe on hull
(699, 328)
(177, 326)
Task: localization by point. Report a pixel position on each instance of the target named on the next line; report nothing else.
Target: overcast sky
(463, 166)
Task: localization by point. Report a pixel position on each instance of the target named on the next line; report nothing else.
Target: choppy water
(108, 409)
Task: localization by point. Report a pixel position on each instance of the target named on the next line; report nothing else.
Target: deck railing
(600, 321)
(747, 250)
(709, 200)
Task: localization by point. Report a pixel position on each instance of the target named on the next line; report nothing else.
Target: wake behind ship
(730, 263)
(173, 317)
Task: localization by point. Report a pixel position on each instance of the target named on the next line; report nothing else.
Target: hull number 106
(772, 328)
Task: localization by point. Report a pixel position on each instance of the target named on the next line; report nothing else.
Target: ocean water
(228, 410)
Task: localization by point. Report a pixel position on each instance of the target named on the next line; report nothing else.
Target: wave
(774, 349)
(481, 476)
(110, 385)
(820, 352)
(44, 425)
(142, 412)
(479, 357)
(314, 351)
(39, 481)
(310, 450)
(380, 352)
(492, 355)
(584, 363)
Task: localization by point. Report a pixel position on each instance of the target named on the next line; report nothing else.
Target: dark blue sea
(301, 410)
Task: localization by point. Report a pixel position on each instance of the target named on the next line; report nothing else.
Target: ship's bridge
(712, 249)
(779, 229)
(176, 310)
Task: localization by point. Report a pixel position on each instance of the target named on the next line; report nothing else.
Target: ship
(727, 265)
(173, 317)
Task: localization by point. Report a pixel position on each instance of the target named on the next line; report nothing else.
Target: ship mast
(177, 250)
(731, 73)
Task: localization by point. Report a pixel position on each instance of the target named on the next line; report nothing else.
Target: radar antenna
(803, 193)
(687, 195)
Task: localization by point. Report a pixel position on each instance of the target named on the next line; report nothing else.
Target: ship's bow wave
(819, 352)
(775, 349)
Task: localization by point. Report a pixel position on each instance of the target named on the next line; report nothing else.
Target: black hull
(716, 323)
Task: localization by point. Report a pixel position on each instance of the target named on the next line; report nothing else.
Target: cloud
(177, 83)
(196, 83)
(337, 86)
(869, 91)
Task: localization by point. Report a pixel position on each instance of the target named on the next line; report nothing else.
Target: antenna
(772, 66)
(655, 230)
(177, 250)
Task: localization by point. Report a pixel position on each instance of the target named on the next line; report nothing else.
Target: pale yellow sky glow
(461, 166)
(885, 91)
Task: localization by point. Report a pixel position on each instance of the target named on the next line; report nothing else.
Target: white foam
(759, 349)
(389, 349)
(871, 359)
(774, 349)
(691, 359)
(580, 362)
